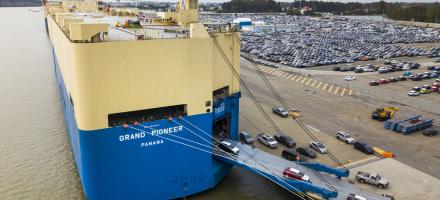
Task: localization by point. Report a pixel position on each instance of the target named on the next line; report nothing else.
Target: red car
(434, 89)
(435, 85)
(383, 81)
(293, 173)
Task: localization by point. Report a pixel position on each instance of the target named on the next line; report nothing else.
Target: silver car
(315, 145)
(280, 111)
(343, 136)
(267, 140)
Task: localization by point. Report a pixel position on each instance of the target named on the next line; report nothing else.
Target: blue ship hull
(123, 163)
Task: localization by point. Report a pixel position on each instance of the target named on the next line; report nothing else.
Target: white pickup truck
(373, 178)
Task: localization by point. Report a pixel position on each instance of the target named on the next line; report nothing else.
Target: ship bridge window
(118, 119)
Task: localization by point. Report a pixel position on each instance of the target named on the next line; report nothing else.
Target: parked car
(392, 79)
(355, 197)
(430, 132)
(267, 140)
(291, 154)
(317, 146)
(434, 89)
(413, 93)
(307, 152)
(293, 173)
(437, 80)
(285, 140)
(350, 78)
(417, 89)
(425, 91)
(280, 111)
(373, 178)
(383, 81)
(246, 137)
(373, 83)
(401, 78)
(343, 136)
(228, 147)
(362, 146)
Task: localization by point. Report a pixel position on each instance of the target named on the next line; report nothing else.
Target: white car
(343, 136)
(318, 147)
(228, 147)
(413, 93)
(406, 68)
(267, 140)
(437, 80)
(350, 78)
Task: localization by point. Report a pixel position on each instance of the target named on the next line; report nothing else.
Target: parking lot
(326, 113)
(406, 183)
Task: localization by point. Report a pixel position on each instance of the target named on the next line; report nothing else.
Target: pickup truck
(373, 178)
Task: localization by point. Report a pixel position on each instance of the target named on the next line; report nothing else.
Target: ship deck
(147, 31)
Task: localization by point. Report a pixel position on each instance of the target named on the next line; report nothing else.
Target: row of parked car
(425, 89)
(400, 66)
(386, 81)
(424, 76)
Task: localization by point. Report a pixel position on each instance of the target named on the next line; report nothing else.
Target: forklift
(384, 113)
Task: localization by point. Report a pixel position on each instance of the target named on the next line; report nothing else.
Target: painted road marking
(308, 82)
(349, 92)
(266, 69)
(270, 71)
(279, 73)
(285, 75)
(298, 78)
(314, 83)
(337, 89)
(289, 76)
(275, 72)
(330, 89)
(317, 87)
(325, 86)
(293, 77)
(303, 80)
(317, 130)
(343, 92)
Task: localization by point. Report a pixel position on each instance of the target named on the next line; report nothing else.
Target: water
(36, 161)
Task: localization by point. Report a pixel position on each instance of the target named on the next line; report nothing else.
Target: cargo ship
(140, 98)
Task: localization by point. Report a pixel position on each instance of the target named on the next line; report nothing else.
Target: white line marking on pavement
(314, 83)
(343, 92)
(330, 89)
(317, 130)
(308, 82)
(325, 86)
(337, 89)
(303, 80)
(289, 76)
(293, 77)
(317, 87)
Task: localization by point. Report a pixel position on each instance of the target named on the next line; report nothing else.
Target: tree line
(423, 12)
